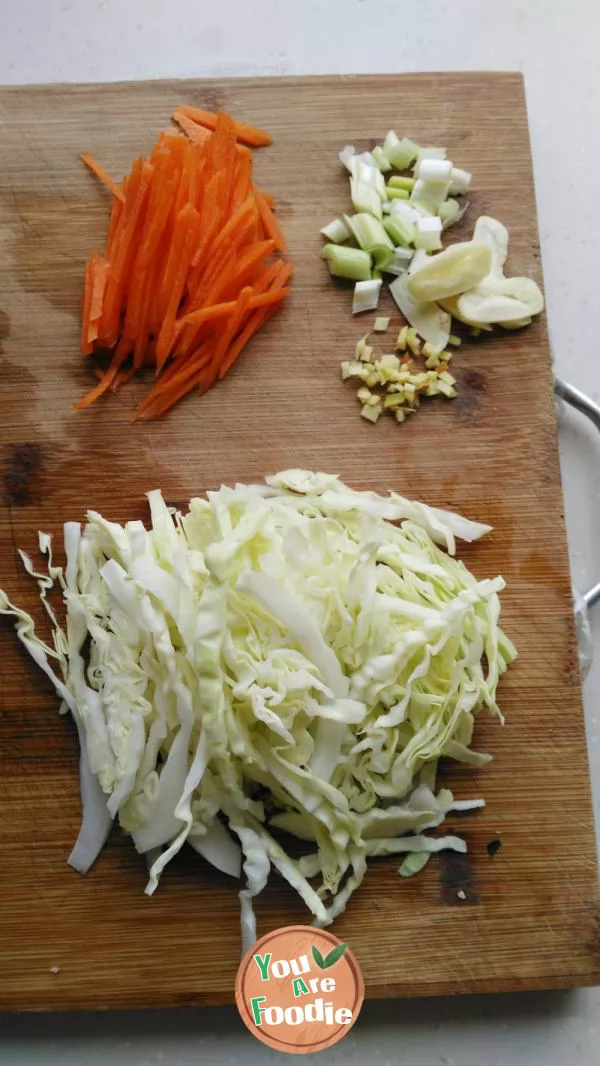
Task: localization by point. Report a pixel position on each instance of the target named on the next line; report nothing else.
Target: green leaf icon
(332, 958)
(316, 954)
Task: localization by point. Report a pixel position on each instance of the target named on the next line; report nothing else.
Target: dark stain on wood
(21, 468)
(457, 875)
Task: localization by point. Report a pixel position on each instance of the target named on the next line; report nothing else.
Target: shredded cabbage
(280, 659)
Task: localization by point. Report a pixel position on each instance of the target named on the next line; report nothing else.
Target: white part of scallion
(366, 295)
(460, 181)
(336, 231)
(401, 153)
(401, 261)
(381, 159)
(430, 194)
(437, 170)
(372, 176)
(365, 198)
(429, 234)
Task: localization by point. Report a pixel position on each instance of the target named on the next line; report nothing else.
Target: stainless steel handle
(591, 410)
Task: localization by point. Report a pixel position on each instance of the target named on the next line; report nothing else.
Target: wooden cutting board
(530, 918)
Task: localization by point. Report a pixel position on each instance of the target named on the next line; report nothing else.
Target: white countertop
(556, 46)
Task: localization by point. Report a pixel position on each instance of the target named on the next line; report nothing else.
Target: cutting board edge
(263, 80)
(373, 993)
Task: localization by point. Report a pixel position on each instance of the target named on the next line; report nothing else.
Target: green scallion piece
(351, 263)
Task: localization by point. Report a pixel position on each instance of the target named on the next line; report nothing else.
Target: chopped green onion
(459, 181)
(400, 153)
(351, 263)
(337, 232)
(366, 295)
(364, 394)
(396, 194)
(451, 212)
(398, 182)
(434, 170)
(423, 210)
(370, 235)
(381, 159)
(400, 230)
(429, 234)
(429, 193)
(454, 340)
(403, 209)
(346, 157)
(381, 324)
(401, 261)
(429, 153)
(351, 160)
(371, 176)
(365, 198)
(419, 259)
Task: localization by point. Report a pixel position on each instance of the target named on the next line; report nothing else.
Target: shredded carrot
(250, 135)
(270, 224)
(197, 134)
(186, 275)
(101, 173)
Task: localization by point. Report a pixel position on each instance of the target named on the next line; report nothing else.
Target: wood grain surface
(531, 916)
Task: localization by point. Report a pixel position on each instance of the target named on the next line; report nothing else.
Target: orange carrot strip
(122, 378)
(236, 222)
(164, 402)
(171, 385)
(114, 228)
(246, 267)
(229, 332)
(270, 224)
(242, 186)
(197, 134)
(211, 216)
(119, 357)
(223, 143)
(101, 173)
(225, 309)
(100, 275)
(125, 251)
(251, 135)
(184, 242)
(87, 345)
(180, 363)
(257, 320)
(270, 273)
